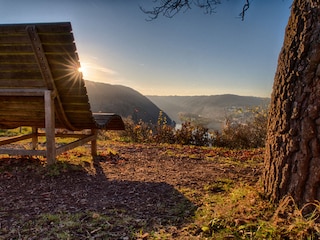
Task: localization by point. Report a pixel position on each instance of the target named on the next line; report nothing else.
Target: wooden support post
(94, 143)
(50, 127)
(34, 138)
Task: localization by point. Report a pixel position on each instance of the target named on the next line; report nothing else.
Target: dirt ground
(140, 182)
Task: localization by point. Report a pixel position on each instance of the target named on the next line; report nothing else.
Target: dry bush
(163, 133)
(190, 134)
(140, 132)
(249, 134)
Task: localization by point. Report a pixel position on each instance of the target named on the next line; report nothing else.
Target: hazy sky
(190, 54)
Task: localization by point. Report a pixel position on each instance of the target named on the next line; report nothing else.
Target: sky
(191, 54)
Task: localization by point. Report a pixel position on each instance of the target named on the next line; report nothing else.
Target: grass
(226, 208)
(86, 225)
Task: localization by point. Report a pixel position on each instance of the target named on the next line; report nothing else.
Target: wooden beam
(67, 135)
(22, 92)
(40, 56)
(34, 138)
(50, 127)
(44, 67)
(23, 152)
(75, 144)
(15, 139)
(94, 143)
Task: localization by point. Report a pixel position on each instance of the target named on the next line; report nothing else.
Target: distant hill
(125, 101)
(122, 100)
(211, 109)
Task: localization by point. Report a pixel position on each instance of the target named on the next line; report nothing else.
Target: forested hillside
(122, 100)
(211, 111)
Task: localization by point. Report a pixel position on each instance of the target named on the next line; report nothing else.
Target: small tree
(163, 132)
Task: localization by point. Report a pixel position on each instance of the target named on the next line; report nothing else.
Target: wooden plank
(66, 99)
(20, 75)
(18, 95)
(54, 27)
(23, 108)
(79, 115)
(76, 107)
(12, 124)
(20, 106)
(75, 144)
(56, 38)
(72, 92)
(20, 115)
(41, 27)
(66, 74)
(64, 66)
(15, 48)
(27, 120)
(12, 28)
(12, 115)
(23, 120)
(23, 152)
(14, 39)
(85, 125)
(18, 67)
(21, 58)
(66, 135)
(69, 60)
(46, 38)
(15, 139)
(21, 83)
(61, 48)
(71, 83)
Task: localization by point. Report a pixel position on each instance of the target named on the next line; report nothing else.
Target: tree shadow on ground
(37, 203)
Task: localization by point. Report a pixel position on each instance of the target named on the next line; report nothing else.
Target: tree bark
(292, 160)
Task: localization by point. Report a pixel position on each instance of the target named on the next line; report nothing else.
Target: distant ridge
(122, 100)
(128, 102)
(213, 108)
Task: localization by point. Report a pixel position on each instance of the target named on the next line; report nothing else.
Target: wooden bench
(41, 87)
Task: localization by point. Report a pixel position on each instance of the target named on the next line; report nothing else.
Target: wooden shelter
(41, 87)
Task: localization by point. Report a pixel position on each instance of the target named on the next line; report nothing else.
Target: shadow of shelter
(42, 205)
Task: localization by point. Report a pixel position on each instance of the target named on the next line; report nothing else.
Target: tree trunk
(292, 160)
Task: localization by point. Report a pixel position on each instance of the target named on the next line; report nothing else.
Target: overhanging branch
(244, 9)
(169, 8)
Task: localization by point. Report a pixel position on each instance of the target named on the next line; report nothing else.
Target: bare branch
(207, 5)
(169, 8)
(244, 9)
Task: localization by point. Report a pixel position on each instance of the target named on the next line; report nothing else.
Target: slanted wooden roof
(36, 57)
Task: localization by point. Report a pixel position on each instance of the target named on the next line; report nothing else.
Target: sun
(83, 70)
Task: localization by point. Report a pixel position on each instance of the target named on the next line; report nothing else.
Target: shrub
(191, 134)
(201, 136)
(184, 134)
(139, 132)
(249, 134)
(163, 133)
